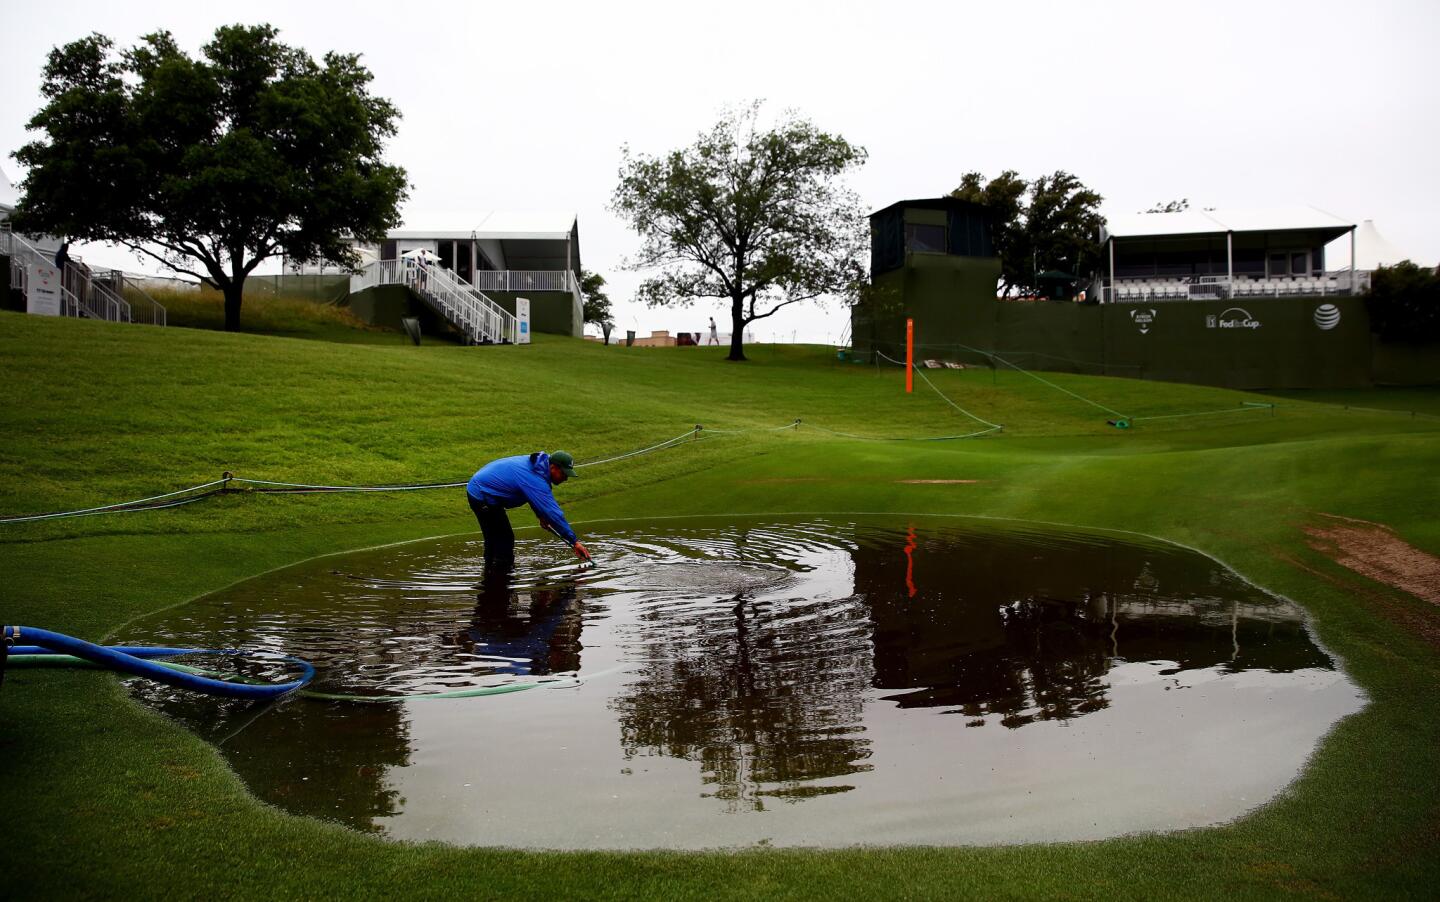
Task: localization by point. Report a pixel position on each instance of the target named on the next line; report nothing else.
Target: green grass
(262, 314)
(1425, 400)
(107, 798)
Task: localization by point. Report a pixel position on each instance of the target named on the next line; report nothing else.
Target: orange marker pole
(909, 356)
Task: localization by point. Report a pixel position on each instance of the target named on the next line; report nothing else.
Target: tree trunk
(234, 293)
(737, 329)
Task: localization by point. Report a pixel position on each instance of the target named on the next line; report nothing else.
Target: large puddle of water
(808, 681)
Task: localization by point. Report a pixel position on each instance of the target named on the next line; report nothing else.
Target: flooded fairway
(816, 681)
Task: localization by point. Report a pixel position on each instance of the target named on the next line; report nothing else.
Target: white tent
(9, 197)
(1372, 251)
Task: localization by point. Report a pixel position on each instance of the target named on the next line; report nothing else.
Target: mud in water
(795, 682)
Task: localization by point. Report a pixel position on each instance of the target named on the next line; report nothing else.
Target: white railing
(477, 316)
(104, 302)
(22, 255)
(1209, 288)
(382, 272)
(136, 302)
(524, 280)
(101, 295)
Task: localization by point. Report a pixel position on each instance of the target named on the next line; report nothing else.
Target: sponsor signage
(1144, 320)
(522, 321)
(1327, 317)
(1233, 318)
(42, 291)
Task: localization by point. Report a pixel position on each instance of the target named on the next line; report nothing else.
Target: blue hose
(132, 660)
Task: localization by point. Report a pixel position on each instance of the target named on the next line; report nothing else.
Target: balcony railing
(1209, 288)
(524, 280)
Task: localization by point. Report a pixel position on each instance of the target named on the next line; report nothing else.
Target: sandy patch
(937, 481)
(1373, 550)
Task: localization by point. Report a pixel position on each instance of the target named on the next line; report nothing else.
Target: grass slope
(107, 798)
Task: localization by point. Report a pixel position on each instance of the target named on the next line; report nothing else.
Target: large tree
(756, 216)
(1050, 223)
(1404, 303)
(596, 307)
(212, 165)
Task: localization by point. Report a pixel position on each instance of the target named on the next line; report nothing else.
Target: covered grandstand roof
(1200, 222)
(498, 224)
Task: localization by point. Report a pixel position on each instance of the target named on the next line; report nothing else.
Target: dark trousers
(495, 527)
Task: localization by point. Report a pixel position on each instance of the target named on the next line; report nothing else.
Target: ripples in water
(814, 681)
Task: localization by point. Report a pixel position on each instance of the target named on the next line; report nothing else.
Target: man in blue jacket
(511, 482)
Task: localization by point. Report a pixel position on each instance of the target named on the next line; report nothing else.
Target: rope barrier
(1097, 364)
(124, 507)
(692, 434)
(935, 438)
(295, 488)
(1245, 407)
(993, 426)
(1058, 388)
(1121, 420)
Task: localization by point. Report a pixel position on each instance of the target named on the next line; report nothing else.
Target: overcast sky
(525, 106)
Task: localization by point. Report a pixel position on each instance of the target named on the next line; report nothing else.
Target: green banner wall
(1247, 343)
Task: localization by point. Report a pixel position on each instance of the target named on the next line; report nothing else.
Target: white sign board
(42, 292)
(522, 321)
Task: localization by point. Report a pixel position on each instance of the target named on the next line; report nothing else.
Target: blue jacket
(513, 481)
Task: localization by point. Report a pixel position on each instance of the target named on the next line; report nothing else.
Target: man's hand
(582, 552)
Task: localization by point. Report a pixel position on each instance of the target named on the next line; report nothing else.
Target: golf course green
(106, 798)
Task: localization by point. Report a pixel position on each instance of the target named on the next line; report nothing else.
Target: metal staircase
(83, 292)
(479, 319)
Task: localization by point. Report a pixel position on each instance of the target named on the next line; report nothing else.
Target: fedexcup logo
(1234, 318)
(1327, 316)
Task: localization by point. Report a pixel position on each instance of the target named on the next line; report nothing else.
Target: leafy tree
(596, 301)
(754, 216)
(211, 166)
(1005, 196)
(1404, 303)
(1051, 223)
(1171, 206)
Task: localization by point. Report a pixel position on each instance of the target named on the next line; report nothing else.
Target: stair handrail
(477, 315)
(116, 308)
(159, 316)
(474, 312)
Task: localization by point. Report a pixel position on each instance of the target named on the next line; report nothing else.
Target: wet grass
(292, 317)
(107, 798)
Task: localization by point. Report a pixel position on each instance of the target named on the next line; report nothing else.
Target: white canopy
(503, 225)
(1372, 251)
(1200, 222)
(9, 197)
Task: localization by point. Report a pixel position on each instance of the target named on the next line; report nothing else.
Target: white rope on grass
(1058, 388)
(921, 438)
(1245, 407)
(120, 507)
(993, 426)
(795, 424)
(690, 434)
(349, 488)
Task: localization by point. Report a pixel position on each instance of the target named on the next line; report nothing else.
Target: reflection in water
(796, 661)
(766, 696)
